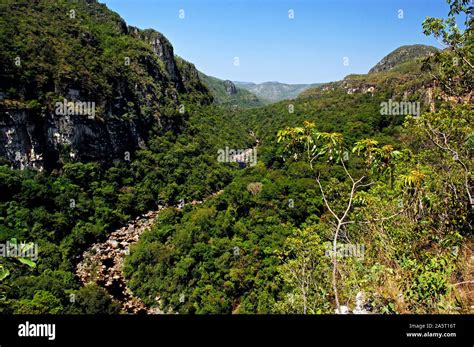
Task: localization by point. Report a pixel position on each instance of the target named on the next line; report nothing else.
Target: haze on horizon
(258, 41)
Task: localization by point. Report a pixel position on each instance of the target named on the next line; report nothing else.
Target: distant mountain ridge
(274, 91)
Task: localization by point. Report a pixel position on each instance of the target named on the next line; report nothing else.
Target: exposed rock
(342, 310)
(360, 304)
(34, 139)
(102, 264)
(163, 49)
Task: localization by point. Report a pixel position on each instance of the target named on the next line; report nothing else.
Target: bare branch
(325, 200)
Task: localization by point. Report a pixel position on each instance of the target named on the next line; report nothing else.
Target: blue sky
(272, 47)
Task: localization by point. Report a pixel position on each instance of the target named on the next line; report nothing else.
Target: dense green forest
(332, 171)
(67, 210)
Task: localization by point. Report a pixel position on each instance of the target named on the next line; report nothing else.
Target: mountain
(274, 91)
(400, 73)
(228, 94)
(145, 135)
(402, 55)
(78, 83)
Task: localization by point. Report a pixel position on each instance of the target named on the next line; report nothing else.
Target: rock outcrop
(102, 263)
(163, 50)
(39, 140)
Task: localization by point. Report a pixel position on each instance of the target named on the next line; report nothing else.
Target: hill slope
(400, 74)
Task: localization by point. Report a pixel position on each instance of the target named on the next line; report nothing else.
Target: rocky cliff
(230, 87)
(79, 84)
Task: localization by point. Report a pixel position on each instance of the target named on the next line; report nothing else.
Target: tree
(452, 68)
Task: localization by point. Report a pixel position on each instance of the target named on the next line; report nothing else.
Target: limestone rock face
(164, 50)
(38, 140)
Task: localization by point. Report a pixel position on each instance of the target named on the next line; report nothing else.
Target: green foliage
(43, 302)
(221, 257)
(452, 68)
(65, 211)
(304, 272)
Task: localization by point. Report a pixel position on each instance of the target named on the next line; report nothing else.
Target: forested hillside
(270, 92)
(116, 83)
(226, 93)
